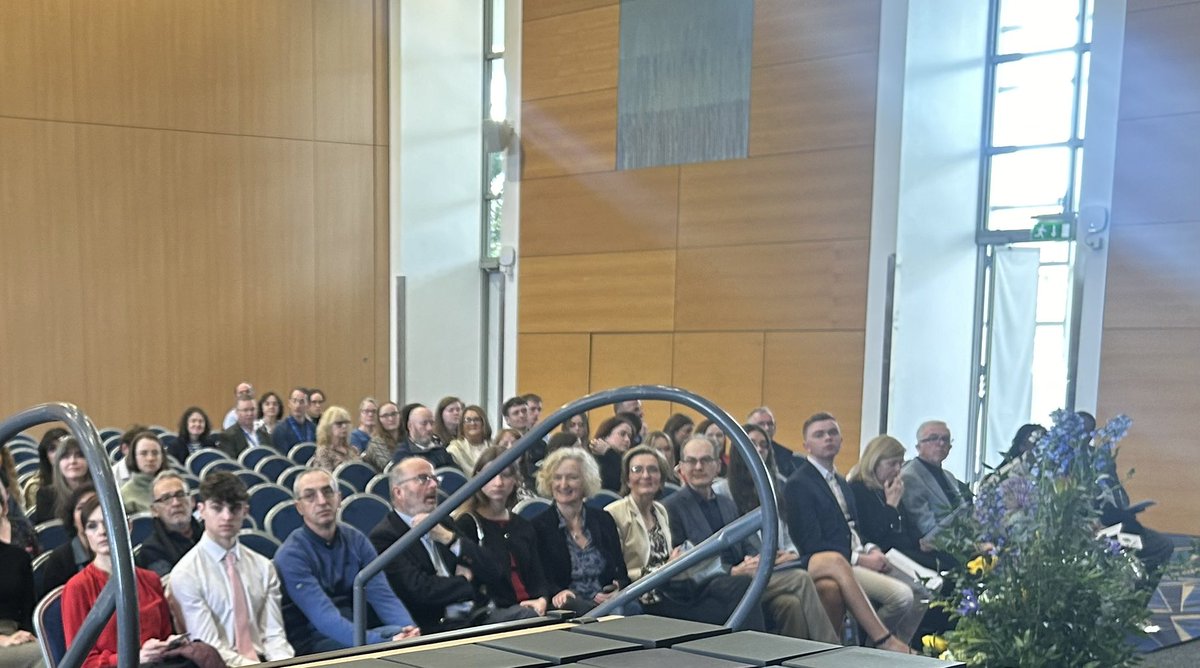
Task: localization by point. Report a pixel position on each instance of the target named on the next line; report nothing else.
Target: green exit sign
(1051, 230)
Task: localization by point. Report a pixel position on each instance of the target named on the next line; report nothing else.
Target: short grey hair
(169, 474)
(930, 423)
(307, 470)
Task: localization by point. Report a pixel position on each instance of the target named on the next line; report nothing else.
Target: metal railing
(766, 519)
(120, 593)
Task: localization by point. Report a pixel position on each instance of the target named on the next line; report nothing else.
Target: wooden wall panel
(571, 53)
(827, 103)
(786, 31)
(820, 285)
(574, 134)
(383, 274)
(807, 372)
(611, 292)
(1162, 62)
(597, 213)
(344, 57)
(1154, 280)
(35, 60)
(632, 359)
(555, 366)
(275, 68)
(1151, 375)
(1156, 170)
(532, 10)
(726, 367)
(816, 195)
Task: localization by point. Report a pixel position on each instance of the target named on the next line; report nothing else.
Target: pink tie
(241, 611)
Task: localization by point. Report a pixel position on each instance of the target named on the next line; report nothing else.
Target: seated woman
(333, 440)
(612, 441)
(385, 438)
(473, 438)
(82, 591)
(15, 528)
(195, 434)
(580, 548)
(508, 538)
(679, 427)
(46, 461)
(447, 421)
(147, 459)
(579, 426)
(70, 472)
(661, 443)
(270, 412)
(714, 433)
(645, 535)
(69, 558)
(18, 646)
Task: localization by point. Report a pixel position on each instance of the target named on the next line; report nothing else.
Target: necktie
(241, 610)
(855, 541)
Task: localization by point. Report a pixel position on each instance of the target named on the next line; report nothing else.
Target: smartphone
(179, 641)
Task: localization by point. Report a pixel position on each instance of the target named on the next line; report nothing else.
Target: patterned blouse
(586, 563)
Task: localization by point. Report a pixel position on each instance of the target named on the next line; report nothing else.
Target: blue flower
(969, 604)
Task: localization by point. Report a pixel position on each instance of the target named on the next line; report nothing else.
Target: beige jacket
(635, 537)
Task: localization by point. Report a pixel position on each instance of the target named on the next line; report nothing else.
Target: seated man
(821, 517)
(317, 565)
(229, 594)
(932, 495)
(434, 575)
(242, 435)
(175, 530)
(697, 512)
(419, 439)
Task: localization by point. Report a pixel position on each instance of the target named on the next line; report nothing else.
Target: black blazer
(415, 580)
(556, 557)
(814, 518)
(233, 440)
(689, 523)
(179, 449)
(502, 545)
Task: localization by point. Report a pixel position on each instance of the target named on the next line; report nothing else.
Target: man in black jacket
(433, 577)
(175, 530)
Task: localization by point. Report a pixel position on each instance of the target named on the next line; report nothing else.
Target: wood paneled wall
(1150, 355)
(192, 193)
(742, 280)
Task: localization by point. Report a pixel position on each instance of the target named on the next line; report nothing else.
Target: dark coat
(814, 518)
(503, 545)
(556, 557)
(164, 548)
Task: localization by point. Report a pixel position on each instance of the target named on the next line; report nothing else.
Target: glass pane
(497, 91)
(1037, 25)
(1078, 179)
(1052, 251)
(495, 184)
(1035, 177)
(1052, 293)
(494, 219)
(1049, 371)
(497, 26)
(1087, 21)
(1084, 71)
(1035, 99)
(1018, 218)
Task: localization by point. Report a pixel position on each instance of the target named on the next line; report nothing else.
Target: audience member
(333, 440)
(243, 433)
(713, 432)
(563, 439)
(645, 533)
(695, 512)
(506, 437)
(18, 646)
(317, 565)
(47, 460)
(447, 418)
(270, 412)
(633, 406)
(435, 574)
(420, 439)
(613, 439)
(229, 595)
(147, 461)
(69, 558)
(195, 434)
(580, 548)
(368, 417)
(8, 472)
(516, 413)
(508, 540)
(175, 531)
(932, 495)
(1026, 438)
(315, 405)
(15, 528)
(243, 389)
(70, 472)
(474, 436)
(533, 404)
(386, 437)
(121, 468)
(679, 427)
(295, 428)
(785, 459)
(822, 520)
(662, 444)
(579, 426)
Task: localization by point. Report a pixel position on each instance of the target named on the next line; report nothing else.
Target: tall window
(1033, 142)
(495, 109)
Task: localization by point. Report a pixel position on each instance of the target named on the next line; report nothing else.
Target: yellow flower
(981, 564)
(936, 644)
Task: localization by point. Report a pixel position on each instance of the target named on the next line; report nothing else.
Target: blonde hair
(878, 449)
(325, 427)
(587, 464)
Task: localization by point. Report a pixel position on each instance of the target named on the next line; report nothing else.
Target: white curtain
(1010, 365)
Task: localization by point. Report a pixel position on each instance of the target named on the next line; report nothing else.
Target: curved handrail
(120, 593)
(766, 496)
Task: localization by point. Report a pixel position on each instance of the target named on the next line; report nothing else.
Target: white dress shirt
(201, 586)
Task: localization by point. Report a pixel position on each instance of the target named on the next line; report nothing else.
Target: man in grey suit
(696, 512)
(932, 495)
(242, 434)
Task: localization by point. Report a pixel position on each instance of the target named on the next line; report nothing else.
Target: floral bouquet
(1039, 588)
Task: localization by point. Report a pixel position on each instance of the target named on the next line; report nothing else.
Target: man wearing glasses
(436, 574)
(932, 494)
(697, 512)
(317, 565)
(175, 530)
(229, 594)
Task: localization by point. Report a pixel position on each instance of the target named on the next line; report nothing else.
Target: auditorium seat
(264, 497)
(356, 474)
(259, 541)
(362, 511)
(48, 626)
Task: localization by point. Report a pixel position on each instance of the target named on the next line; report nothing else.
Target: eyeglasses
(936, 438)
(650, 470)
(369, 411)
(472, 420)
(703, 461)
(387, 416)
(174, 496)
(423, 478)
(342, 423)
(310, 495)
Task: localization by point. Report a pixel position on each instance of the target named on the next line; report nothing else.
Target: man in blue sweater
(317, 565)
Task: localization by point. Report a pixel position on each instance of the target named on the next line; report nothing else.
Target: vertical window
(495, 112)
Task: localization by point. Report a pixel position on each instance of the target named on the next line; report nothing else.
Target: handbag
(701, 572)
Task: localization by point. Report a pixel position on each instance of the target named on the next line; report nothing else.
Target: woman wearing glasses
(509, 539)
(474, 435)
(333, 440)
(385, 438)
